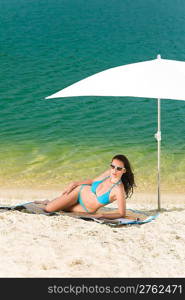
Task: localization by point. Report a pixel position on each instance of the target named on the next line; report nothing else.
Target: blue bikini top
(104, 198)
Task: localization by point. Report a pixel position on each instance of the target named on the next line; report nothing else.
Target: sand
(60, 246)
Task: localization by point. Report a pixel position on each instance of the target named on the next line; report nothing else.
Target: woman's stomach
(89, 199)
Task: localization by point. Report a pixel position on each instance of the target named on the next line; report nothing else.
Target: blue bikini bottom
(79, 200)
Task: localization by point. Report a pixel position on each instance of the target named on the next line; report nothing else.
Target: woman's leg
(44, 202)
(63, 201)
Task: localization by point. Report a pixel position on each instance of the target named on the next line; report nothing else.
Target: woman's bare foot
(42, 202)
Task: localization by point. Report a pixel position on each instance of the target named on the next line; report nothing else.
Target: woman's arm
(74, 184)
(107, 215)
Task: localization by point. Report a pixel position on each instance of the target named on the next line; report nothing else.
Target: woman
(88, 196)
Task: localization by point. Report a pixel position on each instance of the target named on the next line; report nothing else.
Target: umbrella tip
(158, 56)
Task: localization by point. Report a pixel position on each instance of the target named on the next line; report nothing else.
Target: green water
(46, 46)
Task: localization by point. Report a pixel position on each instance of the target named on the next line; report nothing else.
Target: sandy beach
(61, 246)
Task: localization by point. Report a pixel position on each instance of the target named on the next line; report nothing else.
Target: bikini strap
(115, 184)
(105, 178)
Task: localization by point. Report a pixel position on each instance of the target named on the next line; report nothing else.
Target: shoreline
(14, 194)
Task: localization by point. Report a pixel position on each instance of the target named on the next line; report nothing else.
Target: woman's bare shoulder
(102, 176)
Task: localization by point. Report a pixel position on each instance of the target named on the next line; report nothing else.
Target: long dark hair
(128, 177)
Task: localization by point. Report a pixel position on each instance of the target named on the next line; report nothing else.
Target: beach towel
(132, 216)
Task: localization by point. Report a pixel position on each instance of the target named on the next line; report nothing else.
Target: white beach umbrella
(158, 78)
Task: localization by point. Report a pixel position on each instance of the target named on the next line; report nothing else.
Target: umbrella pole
(158, 152)
(158, 138)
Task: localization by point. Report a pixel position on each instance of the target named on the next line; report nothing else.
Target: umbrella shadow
(162, 210)
(173, 209)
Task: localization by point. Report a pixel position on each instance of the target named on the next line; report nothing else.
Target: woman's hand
(71, 187)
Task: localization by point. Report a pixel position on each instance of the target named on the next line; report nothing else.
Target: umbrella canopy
(158, 78)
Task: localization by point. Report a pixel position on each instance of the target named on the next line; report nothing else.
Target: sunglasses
(117, 168)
